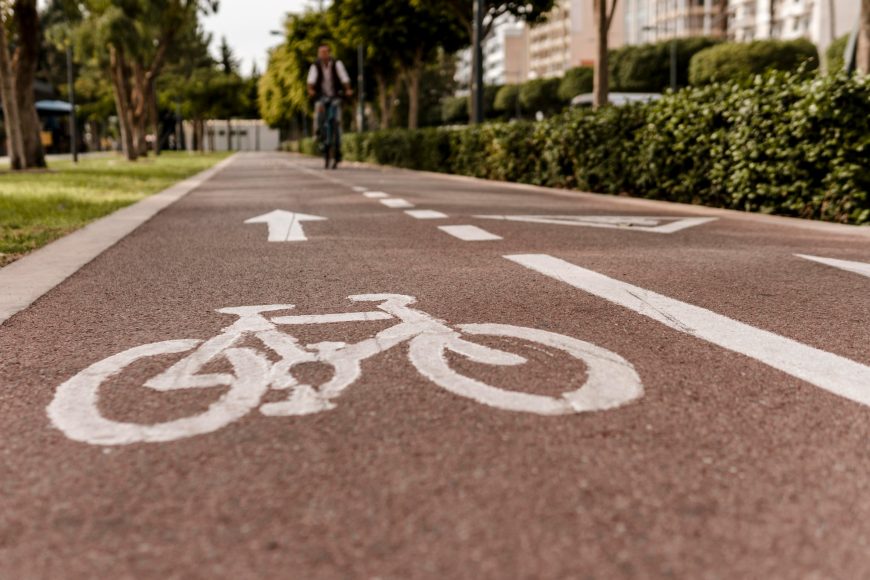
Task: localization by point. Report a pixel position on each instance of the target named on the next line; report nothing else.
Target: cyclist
(324, 77)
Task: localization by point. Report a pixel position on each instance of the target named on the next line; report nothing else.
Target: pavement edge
(23, 282)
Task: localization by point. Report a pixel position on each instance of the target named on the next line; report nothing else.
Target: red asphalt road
(724, 468)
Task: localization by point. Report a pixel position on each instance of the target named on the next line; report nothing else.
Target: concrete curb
(26, 280)
(640, 203)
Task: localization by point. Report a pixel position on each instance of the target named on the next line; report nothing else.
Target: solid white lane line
(469, 233)
(426, 214)
(855, 267)
(396, 203)
(375, 194)
(831, 372)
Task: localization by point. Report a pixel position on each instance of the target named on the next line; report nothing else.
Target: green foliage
(37, 208)
(836, 54)
(782, 144)
(540, 95)
(506, 99)
(647, 67)
(577, 81)
(739, 61)
(454, 110)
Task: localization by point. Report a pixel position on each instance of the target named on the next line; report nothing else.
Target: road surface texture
(717, 371)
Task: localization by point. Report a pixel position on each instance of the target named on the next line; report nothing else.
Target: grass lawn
(37, 207)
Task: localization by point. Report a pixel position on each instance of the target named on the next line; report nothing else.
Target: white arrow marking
(653, 225)
(828, 371)
(856, 267)
(285, 226)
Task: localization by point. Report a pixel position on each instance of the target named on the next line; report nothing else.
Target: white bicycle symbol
(611, 380)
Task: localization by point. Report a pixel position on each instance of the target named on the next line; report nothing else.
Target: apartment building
(820, 21)
(504, 57)
(656, 20)
(567, 38)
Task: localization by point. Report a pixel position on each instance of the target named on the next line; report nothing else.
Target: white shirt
(328, 89)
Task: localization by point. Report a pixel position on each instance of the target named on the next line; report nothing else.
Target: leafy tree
(131, 40)
(228, 62)
(835, 54)
(19, 56)
(403, 36)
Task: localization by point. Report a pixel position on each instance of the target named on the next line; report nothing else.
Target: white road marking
(358, 189)
(375, 194)
(285, 226)
(426, 214)
(396, 203)
(610, 380)
(831, 372)
(469, 233)
(855, 267)
(655, 225)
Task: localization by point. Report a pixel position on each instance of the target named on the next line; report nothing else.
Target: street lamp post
(73, 124)
(477, 64)
(361, 91)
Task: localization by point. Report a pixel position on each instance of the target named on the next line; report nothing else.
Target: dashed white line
(469, 233)
(359, 189)
(396, 203)
(426, 214)
(375, 194)
(831, 372)
(855, 267)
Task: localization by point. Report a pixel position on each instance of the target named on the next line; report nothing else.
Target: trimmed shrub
(738, 61)
(646, 68)
(506, 100)
(577, 80)
(780, 144)
(540, 95)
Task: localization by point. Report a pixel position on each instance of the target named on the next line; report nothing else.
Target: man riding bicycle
(323, 85)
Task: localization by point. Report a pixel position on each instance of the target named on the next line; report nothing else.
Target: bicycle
(330, 139)
(611, 381)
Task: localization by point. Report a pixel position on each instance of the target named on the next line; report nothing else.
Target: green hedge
(738, 61)
(646, 68)
(781, 144)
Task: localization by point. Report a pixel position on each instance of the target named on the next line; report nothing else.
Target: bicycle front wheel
(611, 380)
(75, 407)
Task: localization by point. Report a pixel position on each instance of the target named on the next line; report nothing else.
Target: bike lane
(723, 464)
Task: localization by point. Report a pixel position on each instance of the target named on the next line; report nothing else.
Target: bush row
(782, 144)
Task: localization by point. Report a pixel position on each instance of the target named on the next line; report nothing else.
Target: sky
(246, 24)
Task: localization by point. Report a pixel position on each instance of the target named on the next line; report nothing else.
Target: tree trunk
(139, 110)
(600, 79)
(120, 90)
(412, 79)
(386, 97)
(154, 116)
(10, 103)
(863, 56)
(24, 63)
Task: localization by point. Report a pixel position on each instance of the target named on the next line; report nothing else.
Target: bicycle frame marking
(611, 381)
